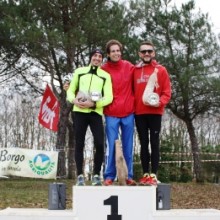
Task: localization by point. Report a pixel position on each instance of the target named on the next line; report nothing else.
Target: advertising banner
(28, 163)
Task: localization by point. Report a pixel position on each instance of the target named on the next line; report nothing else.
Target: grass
(33, 193)
(29, 193)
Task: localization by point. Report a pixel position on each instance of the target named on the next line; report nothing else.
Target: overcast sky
(207, 6)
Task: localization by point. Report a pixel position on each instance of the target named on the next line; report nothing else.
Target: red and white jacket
(141, 76)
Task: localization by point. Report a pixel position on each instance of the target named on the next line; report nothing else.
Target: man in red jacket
(152, 92)
(120, 113)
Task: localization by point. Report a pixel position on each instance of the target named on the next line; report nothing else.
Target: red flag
(49, 110)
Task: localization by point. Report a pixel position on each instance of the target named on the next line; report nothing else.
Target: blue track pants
(114, 127)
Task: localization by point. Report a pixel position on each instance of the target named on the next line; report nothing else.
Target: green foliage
(186, 174)
(189, 49)
(138, 172)
(59, 35)
(211, 169)
(166, 172)
(217, 149)
(137, 168)
(170, 170)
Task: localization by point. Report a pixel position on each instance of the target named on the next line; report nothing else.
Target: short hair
(147, 43)
(113, 42)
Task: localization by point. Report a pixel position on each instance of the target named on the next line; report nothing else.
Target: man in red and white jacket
(152, 90)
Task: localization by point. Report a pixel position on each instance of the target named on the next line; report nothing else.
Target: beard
(147, 61)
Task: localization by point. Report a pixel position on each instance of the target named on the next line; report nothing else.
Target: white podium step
(189, 214)
(114, 202)
(111, 203)
(129, 203)
(35, 214)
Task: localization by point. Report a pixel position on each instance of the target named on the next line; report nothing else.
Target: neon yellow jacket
(91, 79)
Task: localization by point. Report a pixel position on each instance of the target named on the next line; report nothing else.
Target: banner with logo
(49, 110)
(28, 163)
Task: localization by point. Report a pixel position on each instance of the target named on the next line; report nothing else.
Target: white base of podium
(111, 203)
(114, 202)
(45, 214)
(35, 214)
(189, 214)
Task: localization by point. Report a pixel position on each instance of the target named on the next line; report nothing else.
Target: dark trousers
(148, 128)
(82, 121)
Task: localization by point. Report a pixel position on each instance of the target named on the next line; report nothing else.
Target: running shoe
(80, 180)
(152, 181)
(131, 182)
(108, 182)
(96, 181)
(144, 180)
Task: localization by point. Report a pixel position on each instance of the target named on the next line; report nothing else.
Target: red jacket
(141, 75)
(122, 82)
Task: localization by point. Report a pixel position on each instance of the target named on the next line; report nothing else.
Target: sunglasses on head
(146, 51)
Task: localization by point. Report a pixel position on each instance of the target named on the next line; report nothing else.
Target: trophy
(95, 96)
(152, 98)
(92, 96)
(81, 96)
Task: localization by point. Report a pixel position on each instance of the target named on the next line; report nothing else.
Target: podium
(114, 202)
(111, 203)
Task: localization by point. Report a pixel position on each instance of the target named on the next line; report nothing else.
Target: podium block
(57, 196)
(163, 196)
(114, 202)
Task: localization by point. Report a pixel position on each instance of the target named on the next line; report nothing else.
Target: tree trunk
(71, 152)
(61, 136)
(195, 151)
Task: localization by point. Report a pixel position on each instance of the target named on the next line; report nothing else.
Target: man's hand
(81, 103)
(66, 86)
(153, 105)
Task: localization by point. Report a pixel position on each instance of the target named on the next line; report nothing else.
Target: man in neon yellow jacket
(90, 90)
